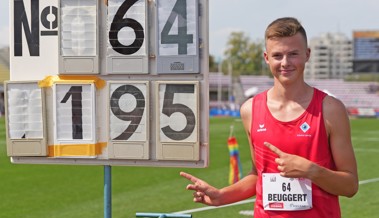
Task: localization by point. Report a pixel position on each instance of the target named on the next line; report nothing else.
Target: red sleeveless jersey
(305, 136)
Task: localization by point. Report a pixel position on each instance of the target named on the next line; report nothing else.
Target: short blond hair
(285, 27)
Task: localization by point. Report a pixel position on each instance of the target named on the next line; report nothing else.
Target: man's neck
(288, 103)
(297, 92)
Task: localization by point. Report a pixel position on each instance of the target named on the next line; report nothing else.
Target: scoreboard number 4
(181, 38)
(178, 43)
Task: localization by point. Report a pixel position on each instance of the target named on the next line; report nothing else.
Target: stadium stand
(360, 98)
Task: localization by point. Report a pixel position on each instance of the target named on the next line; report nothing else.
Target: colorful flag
(235, 171)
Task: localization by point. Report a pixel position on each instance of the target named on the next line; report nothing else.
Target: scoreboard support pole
(107, 191)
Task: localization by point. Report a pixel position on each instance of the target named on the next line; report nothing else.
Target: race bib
(290, 194)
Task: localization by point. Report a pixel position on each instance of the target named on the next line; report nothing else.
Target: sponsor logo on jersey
(261, 128)
(304, 128)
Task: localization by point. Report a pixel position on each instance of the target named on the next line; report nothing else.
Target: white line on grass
(366, 149)
(250, 201)
(368, 139)
(213, 207)
(368, 181)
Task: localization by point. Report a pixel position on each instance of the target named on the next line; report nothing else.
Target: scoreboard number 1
(74, 113)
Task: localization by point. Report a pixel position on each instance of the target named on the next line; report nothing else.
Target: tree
(213, 65)
(245, 55)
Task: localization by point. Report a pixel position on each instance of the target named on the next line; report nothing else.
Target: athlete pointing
(300, 141)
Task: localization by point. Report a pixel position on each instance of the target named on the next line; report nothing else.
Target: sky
(252, 17)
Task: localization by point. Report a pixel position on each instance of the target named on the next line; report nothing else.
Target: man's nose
(285, 60)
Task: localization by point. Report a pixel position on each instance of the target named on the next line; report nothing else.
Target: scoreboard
(117, 82)
(366, 45)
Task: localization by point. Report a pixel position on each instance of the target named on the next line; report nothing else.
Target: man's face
(286, 57)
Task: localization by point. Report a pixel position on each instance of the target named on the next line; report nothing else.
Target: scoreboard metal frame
(117, 83)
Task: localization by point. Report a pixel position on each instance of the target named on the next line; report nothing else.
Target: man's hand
(289, 165)
(203, 192)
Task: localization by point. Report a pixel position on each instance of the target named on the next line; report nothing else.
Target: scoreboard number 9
(128, 122)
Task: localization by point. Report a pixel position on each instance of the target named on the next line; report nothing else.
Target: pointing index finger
(189, 177)
(274, 149)
(198, 185)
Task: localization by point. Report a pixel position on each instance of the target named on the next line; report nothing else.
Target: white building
(331, 57)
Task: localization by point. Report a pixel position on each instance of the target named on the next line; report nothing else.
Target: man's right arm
(245, 188)
(241, 190)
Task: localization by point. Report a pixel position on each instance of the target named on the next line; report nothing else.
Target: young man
(299, 137)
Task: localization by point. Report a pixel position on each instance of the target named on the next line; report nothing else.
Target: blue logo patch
(305, 127)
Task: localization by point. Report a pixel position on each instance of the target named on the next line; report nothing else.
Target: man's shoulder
(246, 106)
(333, 106)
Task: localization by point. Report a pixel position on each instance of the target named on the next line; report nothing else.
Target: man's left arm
(344, 180)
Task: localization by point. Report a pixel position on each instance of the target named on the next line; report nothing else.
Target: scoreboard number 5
(177, 119)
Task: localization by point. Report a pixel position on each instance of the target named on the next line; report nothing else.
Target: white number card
(281, 193)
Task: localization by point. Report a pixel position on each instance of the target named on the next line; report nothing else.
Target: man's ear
(265, 55)
(308, 54)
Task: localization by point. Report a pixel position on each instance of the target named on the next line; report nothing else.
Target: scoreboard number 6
(127, 28)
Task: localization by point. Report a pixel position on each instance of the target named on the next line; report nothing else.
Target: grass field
(55, 191)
